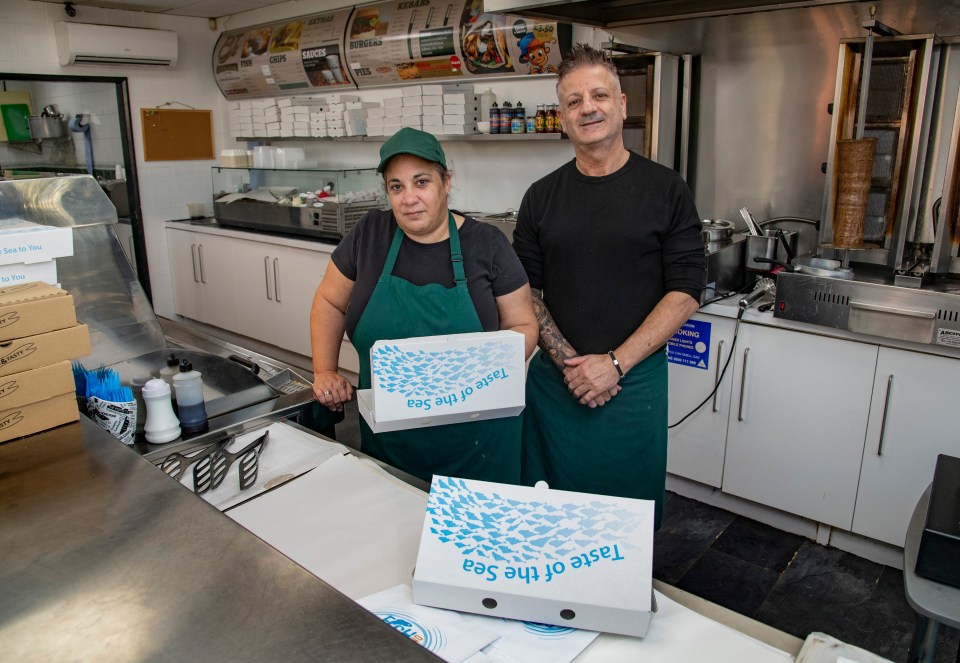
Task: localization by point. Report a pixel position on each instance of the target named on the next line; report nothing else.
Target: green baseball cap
(412, 141)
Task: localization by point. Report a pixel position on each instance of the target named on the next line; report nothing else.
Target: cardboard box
(27, 242)
(22, 354)
(36, 384)
(439, 380)
(34, 308)
(534, 554)
(38, 416)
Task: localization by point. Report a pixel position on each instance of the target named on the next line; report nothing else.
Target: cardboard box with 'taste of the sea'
(439, 380)
(535, 554)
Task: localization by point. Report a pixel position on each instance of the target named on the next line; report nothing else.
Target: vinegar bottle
(189, 387)
(540, 119)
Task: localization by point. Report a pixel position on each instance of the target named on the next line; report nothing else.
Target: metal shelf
(478, 138)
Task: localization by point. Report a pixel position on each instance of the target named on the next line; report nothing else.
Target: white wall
(489, 177)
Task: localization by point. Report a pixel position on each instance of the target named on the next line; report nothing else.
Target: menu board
(289, 57)
(387, 43)
(408, 40)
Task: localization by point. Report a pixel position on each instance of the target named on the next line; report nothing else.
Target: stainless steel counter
(104, 557)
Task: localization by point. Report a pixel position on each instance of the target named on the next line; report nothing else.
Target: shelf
(478, 138)
(344, 171)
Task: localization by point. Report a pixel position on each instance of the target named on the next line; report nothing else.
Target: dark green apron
(619, 449)
(486, 450)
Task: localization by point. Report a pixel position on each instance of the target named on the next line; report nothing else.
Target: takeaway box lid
(535, 554)
(438, 380)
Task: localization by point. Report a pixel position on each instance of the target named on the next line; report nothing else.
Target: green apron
(486, 450)
(619, 449)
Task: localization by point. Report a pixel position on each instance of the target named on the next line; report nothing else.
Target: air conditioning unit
(116, 46)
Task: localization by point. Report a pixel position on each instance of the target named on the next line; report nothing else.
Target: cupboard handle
(193, 261)
(276, 280)
(716, 380)
(266, 275)
(743, 384)
(883, 420)
(203, 278)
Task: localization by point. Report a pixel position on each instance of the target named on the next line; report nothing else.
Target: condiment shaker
(162, 424)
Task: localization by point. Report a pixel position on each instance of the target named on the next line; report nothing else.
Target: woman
(397, 274)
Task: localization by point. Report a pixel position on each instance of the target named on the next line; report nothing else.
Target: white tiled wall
(488, 176)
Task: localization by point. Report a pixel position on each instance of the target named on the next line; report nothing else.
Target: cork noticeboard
(176, 134)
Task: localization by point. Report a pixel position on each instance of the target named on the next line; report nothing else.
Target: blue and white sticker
(690, 346)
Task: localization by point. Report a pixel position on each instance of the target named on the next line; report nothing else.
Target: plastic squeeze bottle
(189, 387)
(172, 368)
(161, 424)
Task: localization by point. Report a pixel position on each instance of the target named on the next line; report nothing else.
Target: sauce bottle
(189, 387)
(506, 117)
(519, 123)
(494, 118)
(540, 119)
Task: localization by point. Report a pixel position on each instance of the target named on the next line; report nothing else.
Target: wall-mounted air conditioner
(113, 45)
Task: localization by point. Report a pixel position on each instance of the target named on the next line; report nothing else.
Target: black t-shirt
(491, 266)
(605, 250)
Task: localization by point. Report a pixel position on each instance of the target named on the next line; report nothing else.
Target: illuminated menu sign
(388, 43)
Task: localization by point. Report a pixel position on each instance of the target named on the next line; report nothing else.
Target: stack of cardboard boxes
(39, 333)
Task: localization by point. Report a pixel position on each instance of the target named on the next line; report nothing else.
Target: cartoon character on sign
(536, 54)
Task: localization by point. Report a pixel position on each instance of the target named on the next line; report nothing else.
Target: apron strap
(456, 256)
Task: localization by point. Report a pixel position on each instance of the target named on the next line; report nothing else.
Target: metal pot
(772, 245)
(716, 230)
(46, 127)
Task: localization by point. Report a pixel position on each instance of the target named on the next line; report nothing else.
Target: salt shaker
(162, 424)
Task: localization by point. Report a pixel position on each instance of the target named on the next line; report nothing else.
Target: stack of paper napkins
(550, 556)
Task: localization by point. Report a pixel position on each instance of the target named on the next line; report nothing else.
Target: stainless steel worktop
(107, 558)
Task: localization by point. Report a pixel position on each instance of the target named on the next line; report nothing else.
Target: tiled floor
(777, 578)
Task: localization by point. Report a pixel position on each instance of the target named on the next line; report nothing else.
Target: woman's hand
(332, 390)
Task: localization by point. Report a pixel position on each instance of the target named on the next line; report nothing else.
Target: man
(611, 244)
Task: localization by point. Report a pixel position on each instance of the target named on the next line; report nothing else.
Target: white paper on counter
(289, 453)
(678, 633)
(452, 636)
(512, 641)
(346, 521)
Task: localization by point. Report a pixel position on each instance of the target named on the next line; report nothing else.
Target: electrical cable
(723, 372)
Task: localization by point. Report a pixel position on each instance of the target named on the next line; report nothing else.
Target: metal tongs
(210, 471)
(752, 225)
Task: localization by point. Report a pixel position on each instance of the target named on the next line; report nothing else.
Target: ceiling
(197, 8)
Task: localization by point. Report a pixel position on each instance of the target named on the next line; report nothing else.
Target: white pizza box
(27, 242)
(16, 273)
(534, 554)
(438, 380)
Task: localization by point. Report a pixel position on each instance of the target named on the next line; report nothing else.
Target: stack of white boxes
(334, 115)
(295, 115)
(392, 115)
(433, 108)
(266, 117)
(241, 118)
(461, 111)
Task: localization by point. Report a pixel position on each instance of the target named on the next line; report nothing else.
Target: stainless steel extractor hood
(618, 13)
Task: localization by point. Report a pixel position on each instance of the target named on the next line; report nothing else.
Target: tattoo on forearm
(551, 340)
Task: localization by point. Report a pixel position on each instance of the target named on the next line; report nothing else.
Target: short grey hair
(583, 55)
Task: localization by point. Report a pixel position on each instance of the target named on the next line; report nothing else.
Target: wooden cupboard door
(797, 422)
(911, 423)
(696, 447)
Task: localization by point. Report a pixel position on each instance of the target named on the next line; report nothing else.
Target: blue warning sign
(690, 346)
